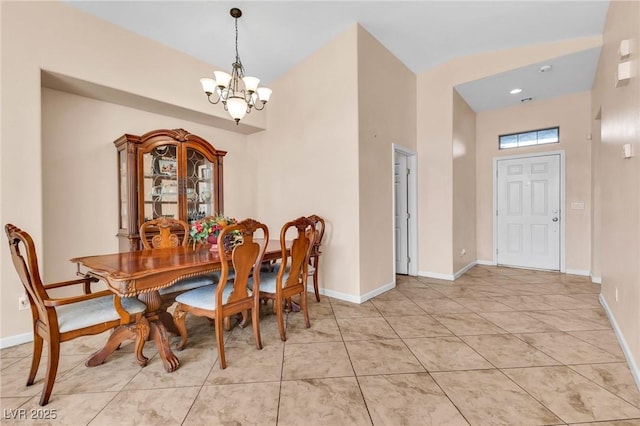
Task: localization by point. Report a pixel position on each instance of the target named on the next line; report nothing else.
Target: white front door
(528, 212)
(401, 214)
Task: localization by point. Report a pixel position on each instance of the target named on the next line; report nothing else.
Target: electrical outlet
(23, 302)
(463, 252)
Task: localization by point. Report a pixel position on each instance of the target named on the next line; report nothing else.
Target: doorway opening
(405, 214)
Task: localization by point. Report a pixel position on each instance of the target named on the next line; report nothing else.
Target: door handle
(555, 219)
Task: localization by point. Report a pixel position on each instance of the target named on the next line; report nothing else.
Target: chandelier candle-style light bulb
(239, 94)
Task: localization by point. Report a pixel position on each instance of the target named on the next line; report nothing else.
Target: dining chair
(314, 257)
(229, 297)
(290, 276)
(157, 233)
(57, 320)
(164, 233)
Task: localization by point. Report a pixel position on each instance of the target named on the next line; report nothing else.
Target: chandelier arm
(213, 102)
(255, 105)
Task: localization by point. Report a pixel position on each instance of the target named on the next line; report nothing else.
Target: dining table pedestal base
(140, 332)
(154, 325)
(160, 323)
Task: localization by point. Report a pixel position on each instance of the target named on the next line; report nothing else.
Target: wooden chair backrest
(157, 233)
(318, 224)
(27, 268)
(245, 257)
(299, 254)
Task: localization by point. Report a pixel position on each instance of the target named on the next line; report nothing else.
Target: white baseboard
(635, 370)
(351, 298)
(463, 270)
(581, 272)
(376, 292)
(18, 339)
(436, 275)
(448, 277)
(596, 280)
(486, 262)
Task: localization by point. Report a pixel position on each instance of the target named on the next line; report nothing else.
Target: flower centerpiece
(208, 229)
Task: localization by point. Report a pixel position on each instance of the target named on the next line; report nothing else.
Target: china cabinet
(170, 173)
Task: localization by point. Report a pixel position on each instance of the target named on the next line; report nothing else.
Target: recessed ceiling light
(526, 99)
(515, 91)
(544, 68)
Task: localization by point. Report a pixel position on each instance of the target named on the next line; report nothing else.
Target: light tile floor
(498, 346)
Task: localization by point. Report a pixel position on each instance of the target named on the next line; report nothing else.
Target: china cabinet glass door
(200, 189)
(160, 183)
(122, 190)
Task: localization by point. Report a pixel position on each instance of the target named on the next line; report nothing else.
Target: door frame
(412, 206)
(562, 172)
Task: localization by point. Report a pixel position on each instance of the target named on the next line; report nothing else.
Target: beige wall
(572, 114)
(617, 185)
(464, 187)
(434, 140)
(383, 121)
(307, 162)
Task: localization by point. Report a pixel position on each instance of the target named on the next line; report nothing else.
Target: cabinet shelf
(160, 176)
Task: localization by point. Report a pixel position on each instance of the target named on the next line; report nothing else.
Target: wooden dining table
(142, 274)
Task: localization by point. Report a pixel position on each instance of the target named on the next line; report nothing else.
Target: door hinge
(408, 171)
(408, 215)
(408, 259)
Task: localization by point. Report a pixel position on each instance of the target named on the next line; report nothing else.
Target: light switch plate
(623, 74)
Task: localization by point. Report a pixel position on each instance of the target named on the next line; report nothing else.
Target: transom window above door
(533, 137)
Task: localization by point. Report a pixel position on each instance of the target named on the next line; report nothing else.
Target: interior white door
(401, 214)
(528, 212)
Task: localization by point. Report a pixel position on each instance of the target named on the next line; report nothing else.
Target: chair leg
(52, 369)
(279, 308)
(304, 306)
(220, 342)
(255, 323)
(35, 360)
(179, 316)
(315, 284)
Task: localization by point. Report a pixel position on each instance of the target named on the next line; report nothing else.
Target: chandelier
(239, 94)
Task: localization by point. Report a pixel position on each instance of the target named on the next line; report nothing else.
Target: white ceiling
(276, 35)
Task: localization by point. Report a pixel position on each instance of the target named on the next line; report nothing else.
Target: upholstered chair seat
(94, 311)
(190, 283)
(204, 297)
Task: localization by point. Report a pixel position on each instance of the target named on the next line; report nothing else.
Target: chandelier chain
(237, 54)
